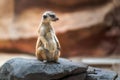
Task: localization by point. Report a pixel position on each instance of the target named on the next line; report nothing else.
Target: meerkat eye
(53, 16)
(44, 16)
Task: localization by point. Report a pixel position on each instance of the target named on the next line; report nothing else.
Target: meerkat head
(49, 16)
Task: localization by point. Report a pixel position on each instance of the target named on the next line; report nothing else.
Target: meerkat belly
(51, 42)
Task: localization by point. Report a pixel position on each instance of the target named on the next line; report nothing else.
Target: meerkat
(47, 46)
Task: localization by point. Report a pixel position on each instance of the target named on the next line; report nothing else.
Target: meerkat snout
(49, 16)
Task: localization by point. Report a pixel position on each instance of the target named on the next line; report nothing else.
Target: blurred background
(88, 30)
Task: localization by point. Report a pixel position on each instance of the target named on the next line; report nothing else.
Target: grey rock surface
(118, 78)
(100, 74)
(32, 69)
(76, 77)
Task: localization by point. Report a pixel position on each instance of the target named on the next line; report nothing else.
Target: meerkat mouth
(56, 19)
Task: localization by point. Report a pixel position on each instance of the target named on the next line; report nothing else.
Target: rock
(112, 21)
(6, 9)
(57, 5)
(112, 18)
(100, 74)
(87, 26)
(118, 78)
(74, 3)
(32, 69)
(76, 77)
(8, 56)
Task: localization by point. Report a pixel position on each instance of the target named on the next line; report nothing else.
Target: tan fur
(47, 46)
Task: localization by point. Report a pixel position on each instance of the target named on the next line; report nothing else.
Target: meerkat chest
(50, 35)
(51, 40)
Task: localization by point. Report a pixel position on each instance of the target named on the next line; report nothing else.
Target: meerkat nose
(57, 19)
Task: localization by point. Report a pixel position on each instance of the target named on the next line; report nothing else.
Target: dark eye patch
(53, 16)
(44, 16)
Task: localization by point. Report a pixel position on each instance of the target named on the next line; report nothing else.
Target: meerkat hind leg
(45, 55)
(56, 56)
(41, 54)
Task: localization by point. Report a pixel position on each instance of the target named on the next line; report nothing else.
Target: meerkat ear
(44, 16)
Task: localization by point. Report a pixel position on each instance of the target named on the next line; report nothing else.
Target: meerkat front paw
(46, 45)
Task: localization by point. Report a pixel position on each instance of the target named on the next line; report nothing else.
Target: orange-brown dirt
(82, 30)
